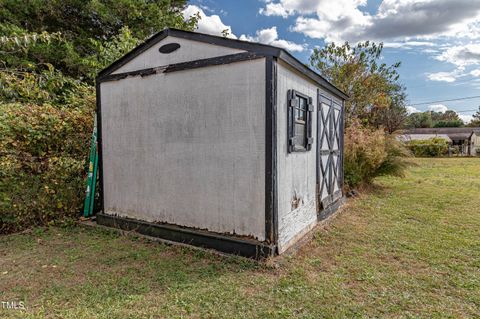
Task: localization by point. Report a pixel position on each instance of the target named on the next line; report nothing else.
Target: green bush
(429, 148)
(42, 86)
(43, 162)
(396, 159)
(451, 123)
(371, 153)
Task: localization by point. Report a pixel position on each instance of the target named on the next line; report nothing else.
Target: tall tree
(450, 123)
(81, 20)
(357, 71)
(85, 25)
(476, 119)
(448, 118)
(419, 120)
(434, 119)
(393, 117)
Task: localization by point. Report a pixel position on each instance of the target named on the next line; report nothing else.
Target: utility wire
(456, 83)
(449, 100)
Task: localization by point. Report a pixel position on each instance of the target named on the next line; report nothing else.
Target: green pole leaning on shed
(92, 175)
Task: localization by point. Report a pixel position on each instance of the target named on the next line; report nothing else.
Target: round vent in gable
(169, 48)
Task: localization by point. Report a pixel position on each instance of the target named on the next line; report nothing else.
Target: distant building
(422, 137)
(465, 139)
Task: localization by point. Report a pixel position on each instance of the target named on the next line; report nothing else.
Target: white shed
(218, 143)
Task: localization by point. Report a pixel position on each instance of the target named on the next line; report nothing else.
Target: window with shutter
(300, 109)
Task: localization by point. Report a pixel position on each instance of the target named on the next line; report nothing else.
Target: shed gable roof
(257, 48)
(442, 130)
(185, 51)
(422, 137)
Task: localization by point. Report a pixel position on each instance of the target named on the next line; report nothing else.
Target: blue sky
(437, 41)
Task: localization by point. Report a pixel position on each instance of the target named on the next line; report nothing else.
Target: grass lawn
(410, 248)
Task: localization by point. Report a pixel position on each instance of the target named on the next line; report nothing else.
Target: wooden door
(329, 151)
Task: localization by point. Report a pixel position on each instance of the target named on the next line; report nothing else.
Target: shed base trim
(230, 245)
(330, 210)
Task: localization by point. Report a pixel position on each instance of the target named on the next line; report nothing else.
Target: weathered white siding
(296, 171)
(189, 50)
(188, 147)
(475, 144)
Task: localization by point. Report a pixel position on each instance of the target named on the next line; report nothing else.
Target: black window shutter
(290, 125)
(294, 143)
(310, 109)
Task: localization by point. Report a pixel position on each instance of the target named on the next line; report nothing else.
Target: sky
(437, 41)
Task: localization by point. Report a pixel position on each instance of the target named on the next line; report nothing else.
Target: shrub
(42, 164)
(371, 153)
(451, 123)
(429, 148)
(45, 86)
(395, 162)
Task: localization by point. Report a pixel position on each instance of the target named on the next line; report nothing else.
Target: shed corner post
(98, 81)
(271, 207)
(342, 147)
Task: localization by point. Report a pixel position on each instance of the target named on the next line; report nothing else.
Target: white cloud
(274, 9)
(443, 76)
(335, 20)
(285, 8)
(212, 24)
(438, 108)
(270, 36)
(206, 8)
(466, 118)
(408, 44)
(342, 20)
(429, 51)
(475, 72)
(412, 109)
(208, 24)
(463, 55)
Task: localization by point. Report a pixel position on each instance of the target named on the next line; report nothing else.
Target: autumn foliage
(370, 153)
(374, 111)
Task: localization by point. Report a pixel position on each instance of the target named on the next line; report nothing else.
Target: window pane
(302, 103)
(299, 115)
(300, 132)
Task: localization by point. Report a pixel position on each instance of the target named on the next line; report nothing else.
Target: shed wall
(475, 147)
(189, 50)
(188, 148)
(296, 172)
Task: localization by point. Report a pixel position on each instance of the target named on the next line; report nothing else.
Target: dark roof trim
(258, 48)
(226, 42)
(442, 130)
(134, 53)
(457, 136)
(317, 78)
(220, 60)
